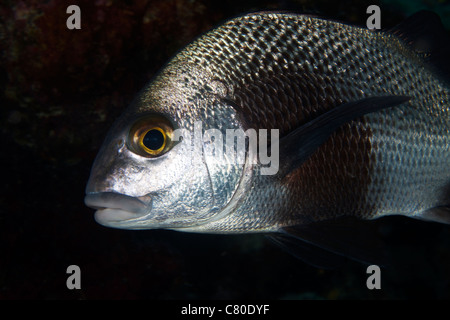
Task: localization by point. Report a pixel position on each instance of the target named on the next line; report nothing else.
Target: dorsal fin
(424, 33)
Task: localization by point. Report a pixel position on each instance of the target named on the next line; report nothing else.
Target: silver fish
(363, 120)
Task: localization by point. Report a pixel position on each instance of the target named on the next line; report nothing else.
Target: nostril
(120, 143)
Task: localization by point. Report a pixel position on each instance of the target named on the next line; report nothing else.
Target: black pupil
(153, 139)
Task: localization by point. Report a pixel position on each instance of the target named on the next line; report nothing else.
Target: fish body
(297, 74)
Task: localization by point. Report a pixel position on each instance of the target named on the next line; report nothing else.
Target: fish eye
(153, 140)
(150, 136)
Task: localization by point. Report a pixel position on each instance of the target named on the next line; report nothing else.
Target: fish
(359, 124)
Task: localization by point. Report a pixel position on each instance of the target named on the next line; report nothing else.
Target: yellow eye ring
(153, 141)
(150, 136)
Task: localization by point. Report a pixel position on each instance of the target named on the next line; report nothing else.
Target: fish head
(152, 171)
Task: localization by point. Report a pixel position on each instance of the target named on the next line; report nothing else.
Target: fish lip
(116, 207)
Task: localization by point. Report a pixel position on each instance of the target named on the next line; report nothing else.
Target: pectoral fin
(298, 145)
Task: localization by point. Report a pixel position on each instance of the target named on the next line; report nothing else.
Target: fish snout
(115, 207)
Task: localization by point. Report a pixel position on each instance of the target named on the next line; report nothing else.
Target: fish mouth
(113, 209)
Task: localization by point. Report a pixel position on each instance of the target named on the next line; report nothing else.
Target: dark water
(61, 90)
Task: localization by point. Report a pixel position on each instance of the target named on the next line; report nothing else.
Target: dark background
(61, 89)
